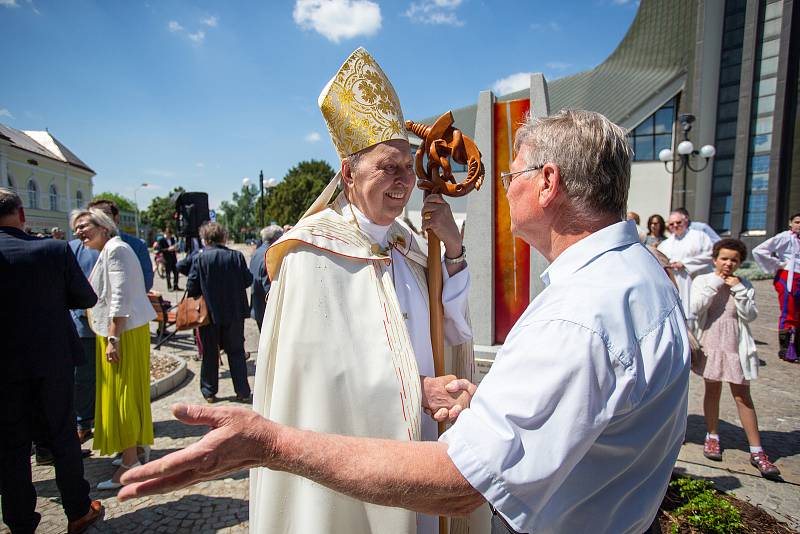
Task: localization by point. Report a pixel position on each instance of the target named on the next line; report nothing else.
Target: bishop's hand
(445, 397)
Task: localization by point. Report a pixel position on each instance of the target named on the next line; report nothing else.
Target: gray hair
(9, 202)
(213, 233)
(592, 154)
(271, 233)
(97, 217)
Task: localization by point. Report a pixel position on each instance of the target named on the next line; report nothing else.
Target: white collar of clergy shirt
(378, 233)
(590, 247)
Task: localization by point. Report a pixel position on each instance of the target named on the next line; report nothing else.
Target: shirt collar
(378, 233)
(576, 256)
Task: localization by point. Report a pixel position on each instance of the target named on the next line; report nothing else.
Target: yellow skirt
(122, 416)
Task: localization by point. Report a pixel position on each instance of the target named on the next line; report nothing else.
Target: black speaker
(192, 211)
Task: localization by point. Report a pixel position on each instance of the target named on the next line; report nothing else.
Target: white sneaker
(110, 484)
(145, 457)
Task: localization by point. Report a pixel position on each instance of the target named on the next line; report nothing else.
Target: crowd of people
(579, 404)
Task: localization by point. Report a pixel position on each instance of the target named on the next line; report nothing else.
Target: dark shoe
(176, 288)
(760, 461)
(211, 399)
(95, 512)
(712, 449)
(85, 453)
(783, 343)
(44, 456)
(245, 400)
(85, 435)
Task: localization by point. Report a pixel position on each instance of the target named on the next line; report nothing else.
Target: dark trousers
(85, 386)
(231, 338)
(171, 266)
(39, 407)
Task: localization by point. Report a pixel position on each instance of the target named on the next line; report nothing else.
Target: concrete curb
(164, 385)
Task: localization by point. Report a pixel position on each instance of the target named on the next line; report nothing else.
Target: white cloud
(338, 19)
(199, 164)
(5, 113)
(313, 137)
(551, 25)
(211, 22)
(9, 3)
(558, 65)
(435, 12)
(197, 37)
(174, 26)
(509, 84)
(625, 2)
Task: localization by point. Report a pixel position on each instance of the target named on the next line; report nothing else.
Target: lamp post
(136, 202)
(686, 152)
(267, 183)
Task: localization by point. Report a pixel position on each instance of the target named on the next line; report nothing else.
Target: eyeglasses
(506, 177)
(673, 224)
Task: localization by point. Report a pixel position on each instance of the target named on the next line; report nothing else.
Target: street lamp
(135, 201)
(686, 153)
(268, 183)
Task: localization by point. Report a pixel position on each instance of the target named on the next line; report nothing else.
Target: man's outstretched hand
(239, 439)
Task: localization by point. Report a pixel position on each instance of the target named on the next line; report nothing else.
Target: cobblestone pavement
(222, 505)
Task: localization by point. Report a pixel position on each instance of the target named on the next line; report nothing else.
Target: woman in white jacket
(121, 320)
(724, 305)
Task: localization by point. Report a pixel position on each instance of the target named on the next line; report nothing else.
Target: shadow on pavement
(190, 513)
(776, 444)
(722, 482)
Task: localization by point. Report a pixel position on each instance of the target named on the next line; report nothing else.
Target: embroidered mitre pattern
(360, 106)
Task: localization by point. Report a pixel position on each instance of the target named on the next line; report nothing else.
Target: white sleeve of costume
(455, 296)
(764, 254)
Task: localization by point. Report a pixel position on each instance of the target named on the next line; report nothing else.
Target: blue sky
(203, 94)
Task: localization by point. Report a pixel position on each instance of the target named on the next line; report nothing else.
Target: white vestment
(693, 250)
(337, 355)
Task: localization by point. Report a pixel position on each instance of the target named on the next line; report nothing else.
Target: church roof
(42, 143)
(656, 51)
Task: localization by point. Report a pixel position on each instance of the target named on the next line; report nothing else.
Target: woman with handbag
(121, 317)
(220, 275)
(725, 305)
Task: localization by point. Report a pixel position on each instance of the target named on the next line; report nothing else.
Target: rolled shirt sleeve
(455, 296)
(552, 390)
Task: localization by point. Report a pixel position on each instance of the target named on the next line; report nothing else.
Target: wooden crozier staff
(442, 142)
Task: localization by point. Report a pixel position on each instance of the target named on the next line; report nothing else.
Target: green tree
(161, 211)
(288, 200)
(239, 215)
(123, 203)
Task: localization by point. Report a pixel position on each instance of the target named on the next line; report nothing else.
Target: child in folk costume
(724, 305)
(780, 255)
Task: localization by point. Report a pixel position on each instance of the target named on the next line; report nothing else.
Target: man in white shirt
(780, 256)
(577, 425)
(689, 253)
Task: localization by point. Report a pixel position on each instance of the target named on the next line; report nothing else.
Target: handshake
(445, 397)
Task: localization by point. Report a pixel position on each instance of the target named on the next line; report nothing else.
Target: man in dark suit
(40, 281)
(221, 276)
(261, 282)
(167, 246)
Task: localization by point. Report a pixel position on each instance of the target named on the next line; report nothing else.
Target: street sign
(212, 214)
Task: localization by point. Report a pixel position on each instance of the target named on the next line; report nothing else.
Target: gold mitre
(360, 106)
